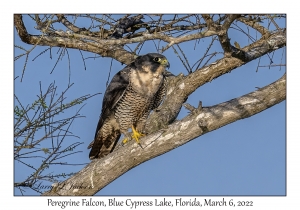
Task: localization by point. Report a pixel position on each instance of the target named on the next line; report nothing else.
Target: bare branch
(29, 123)
(254, 24)
(101, 172)
(115, 52)
(69, 25)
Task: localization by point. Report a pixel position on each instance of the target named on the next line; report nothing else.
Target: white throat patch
(146, 82)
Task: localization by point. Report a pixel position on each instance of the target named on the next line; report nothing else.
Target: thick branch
(228, 21)
(181, 87)
(223, 35)
(225, 43)
(208, 20)
(101, 172)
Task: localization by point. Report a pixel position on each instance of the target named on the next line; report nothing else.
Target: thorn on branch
(200, 106)
(189, 107)
(192, 108)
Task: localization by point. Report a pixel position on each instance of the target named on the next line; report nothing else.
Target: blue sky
(247, 157)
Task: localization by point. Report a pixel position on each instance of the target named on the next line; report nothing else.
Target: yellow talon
(136, 135)
(125, 141)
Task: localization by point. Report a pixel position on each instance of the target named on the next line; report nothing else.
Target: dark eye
(156, 59)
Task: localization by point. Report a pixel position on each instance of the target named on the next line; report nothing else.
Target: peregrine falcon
(132, 93)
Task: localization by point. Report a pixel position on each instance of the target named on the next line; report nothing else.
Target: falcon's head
(148, 73)
(154, 62)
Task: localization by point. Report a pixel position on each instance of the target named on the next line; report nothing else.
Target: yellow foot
(136, 135)
(125, 141)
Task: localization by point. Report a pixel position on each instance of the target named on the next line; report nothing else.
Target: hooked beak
(168, 65)
(165, 63)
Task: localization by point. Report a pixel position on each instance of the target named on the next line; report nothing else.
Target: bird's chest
(145, 84)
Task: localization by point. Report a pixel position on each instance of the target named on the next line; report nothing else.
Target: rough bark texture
(100, 173)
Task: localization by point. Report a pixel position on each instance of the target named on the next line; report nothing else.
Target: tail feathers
(103, 145)
(96, 147)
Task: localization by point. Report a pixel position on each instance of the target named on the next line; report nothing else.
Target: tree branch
(223, 35)
(69, 25)
(208, 20)
(181, 87)
(101, 172)
(104, 47)
(255, 25)
(116, 52)
(228, 21)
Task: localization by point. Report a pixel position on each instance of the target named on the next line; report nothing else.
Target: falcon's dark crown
(153, 60)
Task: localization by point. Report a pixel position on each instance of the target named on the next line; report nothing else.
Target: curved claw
(136, 135)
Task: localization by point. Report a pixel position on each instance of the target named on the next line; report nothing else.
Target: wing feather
(112, 95)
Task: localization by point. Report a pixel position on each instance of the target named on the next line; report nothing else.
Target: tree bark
(101, 172)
